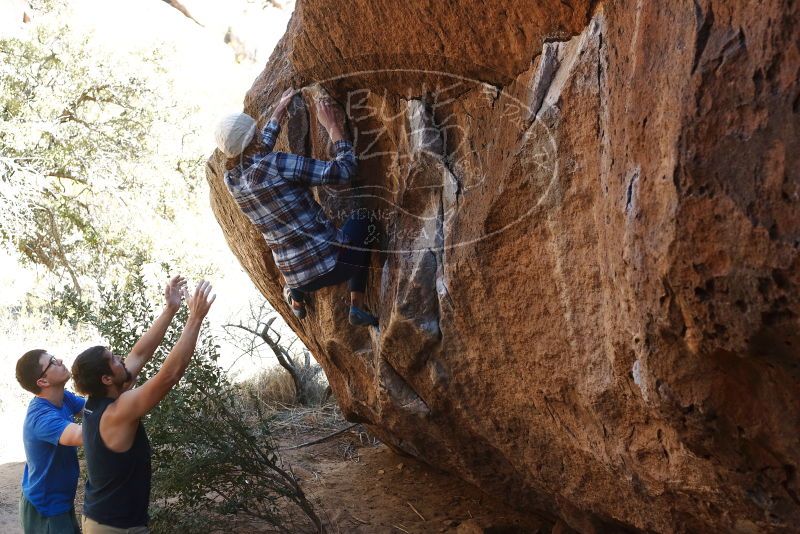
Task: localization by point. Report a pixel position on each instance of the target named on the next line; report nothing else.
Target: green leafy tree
(79, 160)
(214, 459)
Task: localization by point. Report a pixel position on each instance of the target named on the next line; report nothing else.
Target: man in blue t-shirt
(51, 438)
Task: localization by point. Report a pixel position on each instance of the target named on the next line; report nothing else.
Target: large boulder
(589, 271)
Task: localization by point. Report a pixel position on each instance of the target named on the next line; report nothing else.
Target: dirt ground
(362, 487)
(10, 476)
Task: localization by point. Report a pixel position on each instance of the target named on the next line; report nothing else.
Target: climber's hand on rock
(286, 97)
(283, 103)
(326, 114)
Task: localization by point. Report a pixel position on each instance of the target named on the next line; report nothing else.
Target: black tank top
(118, 485)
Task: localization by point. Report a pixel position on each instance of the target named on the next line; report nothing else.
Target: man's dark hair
(29, 370)
(88, 371)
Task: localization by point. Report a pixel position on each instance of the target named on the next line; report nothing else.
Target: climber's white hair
(234, 133)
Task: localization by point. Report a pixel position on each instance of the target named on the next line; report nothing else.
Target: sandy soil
(10, 476)
(363, 488)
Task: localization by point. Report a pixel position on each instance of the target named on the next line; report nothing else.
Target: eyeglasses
(53, 360)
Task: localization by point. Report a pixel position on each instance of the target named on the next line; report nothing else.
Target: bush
(213, 455)
(275, 389)
(310, 387)
(272, 388)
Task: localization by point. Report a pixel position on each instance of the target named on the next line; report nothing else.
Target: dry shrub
(272, 388)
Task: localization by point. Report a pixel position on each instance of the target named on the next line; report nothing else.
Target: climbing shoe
(359, 317)
(300, 312)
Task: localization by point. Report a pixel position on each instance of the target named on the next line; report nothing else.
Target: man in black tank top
(115, 442)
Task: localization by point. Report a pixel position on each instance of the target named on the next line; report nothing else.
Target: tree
(77, 148)
(305, 374)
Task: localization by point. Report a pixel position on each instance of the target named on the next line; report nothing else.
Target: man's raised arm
(270, 134)
(144, 349)
(314, 172)
(133, 404)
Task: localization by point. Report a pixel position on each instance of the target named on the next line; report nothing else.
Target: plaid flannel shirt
(273, 190)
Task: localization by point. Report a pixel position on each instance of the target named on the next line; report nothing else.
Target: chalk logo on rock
(448, 161)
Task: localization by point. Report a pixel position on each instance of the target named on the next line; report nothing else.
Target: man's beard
(128, 377)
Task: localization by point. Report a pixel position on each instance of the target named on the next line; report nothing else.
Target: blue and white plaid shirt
(273, 190)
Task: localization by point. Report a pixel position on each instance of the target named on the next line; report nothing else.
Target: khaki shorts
(90, 526)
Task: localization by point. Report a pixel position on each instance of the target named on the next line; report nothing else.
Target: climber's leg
(360, 235)
(296, 299)
(352, 266)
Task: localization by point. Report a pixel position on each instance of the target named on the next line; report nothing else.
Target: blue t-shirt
(51, 470)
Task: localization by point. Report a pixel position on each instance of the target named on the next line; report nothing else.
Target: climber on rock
(274, 190)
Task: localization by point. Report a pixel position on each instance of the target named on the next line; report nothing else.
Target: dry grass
(296, 420)
(273, 390)
(272, 393)
(271, 387)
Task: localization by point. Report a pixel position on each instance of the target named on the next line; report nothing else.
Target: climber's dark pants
(352, 262)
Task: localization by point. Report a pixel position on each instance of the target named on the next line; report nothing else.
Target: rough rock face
(589, 276)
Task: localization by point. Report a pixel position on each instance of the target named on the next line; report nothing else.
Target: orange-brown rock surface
(588, 282)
